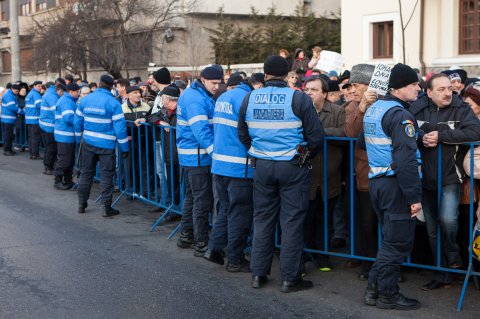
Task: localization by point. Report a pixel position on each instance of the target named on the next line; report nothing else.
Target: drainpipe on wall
(422, 18)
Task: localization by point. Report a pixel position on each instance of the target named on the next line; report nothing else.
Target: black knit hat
(107, 79)
(275, 65)
(401, 76)
(171, 90)
(212, 73)
(235, 79)
(36, 83)
(260, 77)
(162, 76)
(333, 86)
(73, 87)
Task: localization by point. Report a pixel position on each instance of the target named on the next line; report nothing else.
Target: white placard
(379, 81)
(330, 60)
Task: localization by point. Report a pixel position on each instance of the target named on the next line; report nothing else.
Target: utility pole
(15, 41)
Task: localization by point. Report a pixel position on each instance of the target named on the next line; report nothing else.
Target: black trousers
(280, 193)
(398, 233)
(89, 157)
(8, 136)
(65, 160)
(34, 139)
(50, 154)
(198, 202)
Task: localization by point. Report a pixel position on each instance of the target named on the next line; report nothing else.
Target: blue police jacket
(99, 118)
(9, 107)
(33, 103)
(230, 157)
(46, 120)
(275, 130)
(378, 143)
(64, 119)
(194, 126)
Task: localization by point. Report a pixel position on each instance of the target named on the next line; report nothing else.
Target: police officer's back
(394, 185)
(99, 123)
(277, 125)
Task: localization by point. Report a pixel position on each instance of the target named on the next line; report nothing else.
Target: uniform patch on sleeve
(410, 130)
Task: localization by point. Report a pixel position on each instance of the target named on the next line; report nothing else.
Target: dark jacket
(170, 136)
(456, 124)
(332, 117)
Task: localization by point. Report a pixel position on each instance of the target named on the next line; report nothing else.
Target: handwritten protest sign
(379, 81)
(330, 60)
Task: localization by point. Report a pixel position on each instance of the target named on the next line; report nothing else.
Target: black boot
(109, 211)
(185, 240)
(59, 184)
(82, 207)
(68, 181)
(297, 285)
(214, 257)
(397, 301)
(371, 295)
(200, 249)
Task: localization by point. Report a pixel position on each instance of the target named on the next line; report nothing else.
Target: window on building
(25, 8)
(5, 8)
(6, 61)
(383, 40)
(469, 27)
(41, 5)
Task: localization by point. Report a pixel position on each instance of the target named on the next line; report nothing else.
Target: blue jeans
(447, 217)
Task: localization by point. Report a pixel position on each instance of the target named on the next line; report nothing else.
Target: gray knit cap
(361, 73)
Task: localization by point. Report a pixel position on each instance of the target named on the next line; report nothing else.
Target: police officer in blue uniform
(46, 121)
(232, 179)
(9, 117)
(280, 127)
(64, 134)
(33, 101)
(195, 147)
(390, 134)
(99, 125)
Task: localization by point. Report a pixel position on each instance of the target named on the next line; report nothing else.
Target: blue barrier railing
(469, 272)
(151, 174)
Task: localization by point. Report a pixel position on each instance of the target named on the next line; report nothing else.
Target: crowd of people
(251, 148)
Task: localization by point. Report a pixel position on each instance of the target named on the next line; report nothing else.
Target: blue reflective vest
(99, 118)
(378, 143)
(275, 130)
(33, 103)
(9, 107)
(64, 118)
(194, 126)
(230, 157)
(46, 119)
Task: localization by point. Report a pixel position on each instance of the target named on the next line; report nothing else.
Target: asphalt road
(55, 263)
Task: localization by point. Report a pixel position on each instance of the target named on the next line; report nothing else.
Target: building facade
(183, 41)
(435, 34)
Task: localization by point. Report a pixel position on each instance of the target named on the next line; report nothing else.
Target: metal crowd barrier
(140, 177)
(351, 192)
(147, 175)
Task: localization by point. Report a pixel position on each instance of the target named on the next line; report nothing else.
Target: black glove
(125, 155)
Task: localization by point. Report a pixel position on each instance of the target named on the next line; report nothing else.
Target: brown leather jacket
(353, 127)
